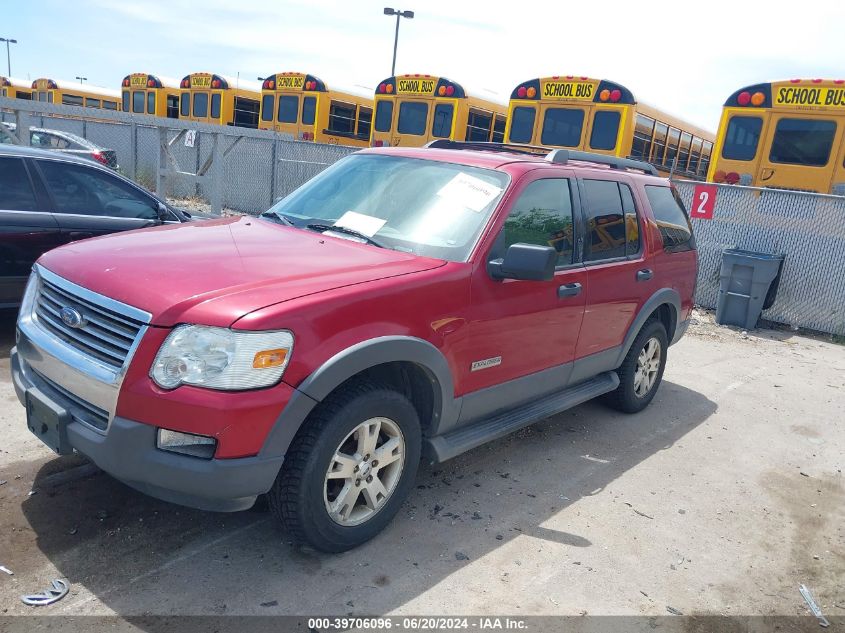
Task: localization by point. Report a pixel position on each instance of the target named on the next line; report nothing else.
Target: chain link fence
(236, 168)
(809, 229)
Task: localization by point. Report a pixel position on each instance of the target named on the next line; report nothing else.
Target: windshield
(418, 206)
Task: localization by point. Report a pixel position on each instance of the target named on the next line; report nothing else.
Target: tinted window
(151, 102)
(683, 152)
(605, 129)
(412, 117)
(478, 126)
(384, 116)
(562, 126)
(200, 104)
(605, 220)
(215, 106)
(541, 215)
(245, 111)
(267, 103)
(522, 125)
(48, 141)
(72, 100)
(672, 220)
(660, 131)
(632, 227)
(77, 189)
(15, 189)
(110, 105)
(126, 101)
(138, 102)
(365, 122)
(288, 109)
(342, 118)
(695, 155)
(803, 142)
(672, 146)
(92, 103)
(441, 125)
(185, 106)
(309, 109)
(742, 137)
(499, 129)
(641, 147)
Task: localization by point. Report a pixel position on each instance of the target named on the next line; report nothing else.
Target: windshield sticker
(470, 192)
(365, 224)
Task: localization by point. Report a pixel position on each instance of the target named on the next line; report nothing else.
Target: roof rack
(557, 156)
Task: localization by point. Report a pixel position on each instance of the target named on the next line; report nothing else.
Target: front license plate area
(48, 421)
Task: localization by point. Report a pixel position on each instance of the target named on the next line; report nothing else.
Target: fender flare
(668, 296)
(353, 360)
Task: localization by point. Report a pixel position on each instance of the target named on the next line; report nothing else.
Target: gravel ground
(720, 498)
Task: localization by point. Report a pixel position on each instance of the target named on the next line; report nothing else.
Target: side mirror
(163, 212)
(529, 262)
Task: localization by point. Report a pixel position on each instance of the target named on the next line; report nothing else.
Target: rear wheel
(641, 371)
(348, 471)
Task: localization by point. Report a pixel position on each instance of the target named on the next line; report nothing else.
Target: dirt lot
(721, 498)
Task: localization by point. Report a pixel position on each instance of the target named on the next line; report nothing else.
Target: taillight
(98, 156)
(450, 90)
(150, 83)
(521, 92)
(389, 88)
(531, 92)
(731, 177)
(719, 176)
(381, 88)
(615, 95)
(125, 82)
(307, 136)
(441, 91)
(604, 95)
(743, 98)
(215, 83)
(378, 143)
(758, 98)
(185, 83)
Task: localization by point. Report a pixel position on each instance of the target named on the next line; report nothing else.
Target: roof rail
(557, 156)
(563, 156)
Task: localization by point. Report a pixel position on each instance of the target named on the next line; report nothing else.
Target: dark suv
(403, 303)
(49, 199)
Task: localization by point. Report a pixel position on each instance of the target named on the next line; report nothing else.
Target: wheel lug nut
(366, 457)
(375, 462)
(355, 470)
(369, 478)
(357, 482)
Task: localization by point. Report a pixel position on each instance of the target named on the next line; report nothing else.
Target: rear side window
(671, 217)
(522, 125)
(562, 126)
(441, 125)
(412, 118)
(606, 235)
(267, 103)
(15, 189)
(542, 215)
(288, 109)
(384, 116)
(185, 104)
(309, 108)
(742, 138)
(151, 102)
(215, 106)
(126, 101)
(605, 129)
(803, 142)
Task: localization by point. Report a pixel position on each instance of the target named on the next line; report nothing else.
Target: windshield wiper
(279, 216)
(322, 228)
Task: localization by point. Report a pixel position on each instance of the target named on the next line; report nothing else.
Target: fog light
(186, 443)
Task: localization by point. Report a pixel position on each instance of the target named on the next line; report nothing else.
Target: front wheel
(642, 370)
(348, 471)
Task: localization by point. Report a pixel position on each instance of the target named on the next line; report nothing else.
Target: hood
(214, 272)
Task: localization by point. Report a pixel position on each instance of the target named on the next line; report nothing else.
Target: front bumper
(128, 452)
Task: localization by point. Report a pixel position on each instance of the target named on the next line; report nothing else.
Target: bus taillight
(125, 82)
(150, 83)
(185, 83)
(729, 178)
(215, 83)
(745, 98)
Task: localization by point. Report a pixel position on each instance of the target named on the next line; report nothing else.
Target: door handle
(568, 290)
(80, 235)
(645, 274)
(766, 173)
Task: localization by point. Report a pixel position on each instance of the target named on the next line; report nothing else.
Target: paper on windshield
(469, 192)
(365, 224)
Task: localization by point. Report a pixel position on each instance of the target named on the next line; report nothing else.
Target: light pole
(81, 79)
(8, 57)
(399, 14)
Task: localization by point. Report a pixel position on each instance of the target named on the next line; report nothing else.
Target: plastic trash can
(746, 286)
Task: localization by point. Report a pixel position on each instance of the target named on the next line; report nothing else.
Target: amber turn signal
(269, 358)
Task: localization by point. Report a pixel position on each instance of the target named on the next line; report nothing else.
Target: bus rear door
(411, 122)
(604, 133)
(563, 125)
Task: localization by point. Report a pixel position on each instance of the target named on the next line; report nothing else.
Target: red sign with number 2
(704, 201)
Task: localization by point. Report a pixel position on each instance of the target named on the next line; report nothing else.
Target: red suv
(405, 303)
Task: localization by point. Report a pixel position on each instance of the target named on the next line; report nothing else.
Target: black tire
(624, 397)
(297, 496)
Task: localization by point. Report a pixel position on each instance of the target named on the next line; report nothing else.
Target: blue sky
(684, 57)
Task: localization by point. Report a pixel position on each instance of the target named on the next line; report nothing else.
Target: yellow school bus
(150, 94)
(15, 88)
(783, 135)
(601, 116)
(412, 110)
(303, 107)
(49, 90)
(210, 98)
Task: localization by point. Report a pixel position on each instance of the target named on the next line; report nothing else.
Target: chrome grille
(104, 335)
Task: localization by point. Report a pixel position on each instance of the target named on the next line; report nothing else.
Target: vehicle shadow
(139, 556)
(7, 332)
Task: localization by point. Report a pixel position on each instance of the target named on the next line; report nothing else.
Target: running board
(443, 447)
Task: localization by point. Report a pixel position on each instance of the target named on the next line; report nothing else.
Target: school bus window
(138, 102)
(605, 129)
(20, 94)
(695, 155)
(126, 101)
(499, 129)
(151, 102)
(309, 110)
(441, 123)
(92, 103)
(201, 104)
(562, 126)
(522, 124)
(683, 152)
(185, 104)
(643, 132)
(365, 120)
(632, 227)
(672, 146)
(384, 115)
(412, 118)
(803, 142)
(267, 103)
(707, 148)
(245, 112)
(742, 138)
(215, 106)
(342, 118)
(72, 100)
(172, 107)
(478, 126)
(110, 105)
(288, 109)
(660, 131)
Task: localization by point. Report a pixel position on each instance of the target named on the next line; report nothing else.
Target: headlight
(219, 358)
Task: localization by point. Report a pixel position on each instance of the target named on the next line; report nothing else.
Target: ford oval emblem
(72, 317)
